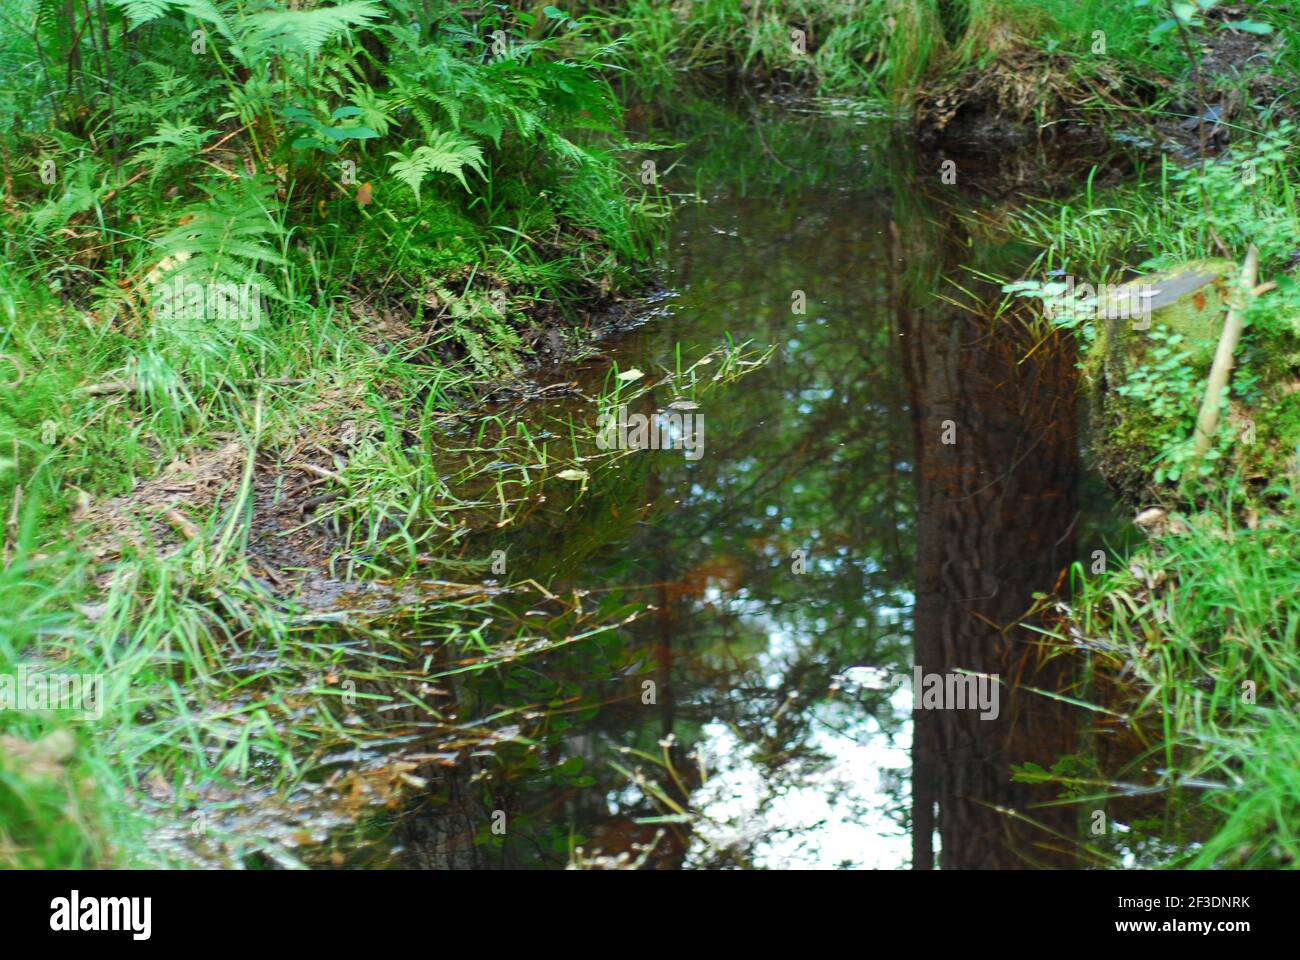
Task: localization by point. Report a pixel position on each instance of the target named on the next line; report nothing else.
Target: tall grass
(391, 307)
(885, 51)
(1203, 628)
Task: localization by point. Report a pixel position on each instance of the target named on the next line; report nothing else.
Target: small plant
(1061, 304)
(1166, 389)
(1180, 15)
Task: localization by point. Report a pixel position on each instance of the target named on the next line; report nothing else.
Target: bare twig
(183, 523)
(1207, 421)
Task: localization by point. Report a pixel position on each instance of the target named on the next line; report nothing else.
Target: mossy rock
(1190, 299)
(1129, 438)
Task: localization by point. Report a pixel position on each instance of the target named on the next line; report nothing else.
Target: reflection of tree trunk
(995, 516)
(439, 833)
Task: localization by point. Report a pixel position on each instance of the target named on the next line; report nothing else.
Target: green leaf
(1161, 29)
(349, 133)
(1029, 772)
(571, 766)
(311, 143)
(1249, 26)
(445, 152)
(307, 31)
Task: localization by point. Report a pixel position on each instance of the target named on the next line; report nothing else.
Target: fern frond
(171, 145)
(184, 135)
(85, 181)
(307, 31)
(374, 108)
(142, 11)
(226, 238)
(491, 345)
(206, 11)
(446, 152)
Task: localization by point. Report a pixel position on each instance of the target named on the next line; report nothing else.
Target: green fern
(254, 37)
(492, 346)
(445, 152)
(308, 31)
(172, 145)
(205, 11)
(226, 238)
(142, 11)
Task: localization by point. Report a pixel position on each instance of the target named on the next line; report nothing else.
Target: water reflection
(758, 714)
(996, 466)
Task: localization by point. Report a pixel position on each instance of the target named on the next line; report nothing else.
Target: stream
(887, 493)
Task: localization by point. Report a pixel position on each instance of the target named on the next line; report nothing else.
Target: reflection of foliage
(809, 452)
(760, 152)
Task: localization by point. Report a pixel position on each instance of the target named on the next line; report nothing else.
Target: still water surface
(889, 490)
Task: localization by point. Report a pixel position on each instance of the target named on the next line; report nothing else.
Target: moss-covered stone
(1261, 428)
(1190, 299)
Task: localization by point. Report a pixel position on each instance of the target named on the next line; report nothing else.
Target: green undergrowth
(1189, 641)
(217, 687)
(1200, 628)
(408, 196)
(886, 52)
(1170, 215)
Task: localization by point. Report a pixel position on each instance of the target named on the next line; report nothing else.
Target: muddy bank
(295, 544)
(1021, 93)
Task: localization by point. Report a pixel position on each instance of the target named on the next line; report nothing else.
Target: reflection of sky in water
(838, 803)
(838, 814)
(800, 455)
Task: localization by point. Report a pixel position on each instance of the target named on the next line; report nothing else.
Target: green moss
(1189, 299)
(1146, 381)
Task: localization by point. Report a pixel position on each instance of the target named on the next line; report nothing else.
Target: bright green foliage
(450, 166)
(307, 105)
(447, 152)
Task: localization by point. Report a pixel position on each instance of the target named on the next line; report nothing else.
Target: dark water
(888, 491)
